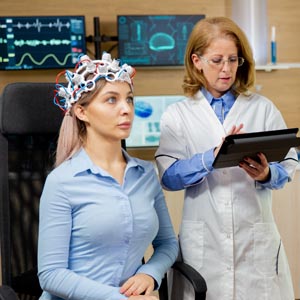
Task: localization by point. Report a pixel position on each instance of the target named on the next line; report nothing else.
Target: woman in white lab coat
(228, 232)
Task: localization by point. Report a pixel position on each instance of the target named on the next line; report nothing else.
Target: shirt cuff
(208, 158)
(273, 178)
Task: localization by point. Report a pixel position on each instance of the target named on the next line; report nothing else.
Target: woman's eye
(130, 100)
(111, 100)
(233, 59)
(217, 61)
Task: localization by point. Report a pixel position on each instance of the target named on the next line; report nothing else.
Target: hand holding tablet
(274, 144)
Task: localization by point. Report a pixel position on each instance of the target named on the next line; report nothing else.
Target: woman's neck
(108, 156)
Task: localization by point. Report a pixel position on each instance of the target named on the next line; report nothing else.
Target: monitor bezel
(45, 67)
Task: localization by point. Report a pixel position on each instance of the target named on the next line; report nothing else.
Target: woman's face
(110, 114)
(219, 65)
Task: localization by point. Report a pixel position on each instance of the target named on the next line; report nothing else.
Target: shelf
(279, 66)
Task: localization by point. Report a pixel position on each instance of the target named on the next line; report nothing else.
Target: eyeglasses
(218, 62)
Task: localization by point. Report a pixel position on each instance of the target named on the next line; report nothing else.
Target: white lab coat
(227, 231)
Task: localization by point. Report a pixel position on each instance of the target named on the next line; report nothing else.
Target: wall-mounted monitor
(145, 131)
(41, 42)
(154, 40)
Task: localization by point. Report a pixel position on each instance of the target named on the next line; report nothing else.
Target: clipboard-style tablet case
(275, 144)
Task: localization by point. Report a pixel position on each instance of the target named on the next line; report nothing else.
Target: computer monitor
(154, 40)
(145, 131)
(41, 42)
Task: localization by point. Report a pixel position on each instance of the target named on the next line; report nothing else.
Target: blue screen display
(41, 42)
(154, 40)
(145, 131)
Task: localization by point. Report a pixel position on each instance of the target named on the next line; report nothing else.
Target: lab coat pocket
(191, 238)
(266, 248)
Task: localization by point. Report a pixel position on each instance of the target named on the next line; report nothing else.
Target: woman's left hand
(259, 171)
(137, 285)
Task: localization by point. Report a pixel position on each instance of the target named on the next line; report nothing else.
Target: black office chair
(29, 125)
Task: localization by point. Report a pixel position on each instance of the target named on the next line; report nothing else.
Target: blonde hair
(72, 134)
(203, 33)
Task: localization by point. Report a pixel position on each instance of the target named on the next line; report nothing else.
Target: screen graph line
(38, 25)
(44, 59)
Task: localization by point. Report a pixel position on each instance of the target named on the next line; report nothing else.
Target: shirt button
(228, 235)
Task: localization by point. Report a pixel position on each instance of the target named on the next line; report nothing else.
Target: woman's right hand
(234, 130)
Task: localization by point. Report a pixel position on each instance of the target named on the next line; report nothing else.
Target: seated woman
(101, 208)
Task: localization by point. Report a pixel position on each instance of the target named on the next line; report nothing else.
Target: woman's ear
(197, 61)
(80, 112)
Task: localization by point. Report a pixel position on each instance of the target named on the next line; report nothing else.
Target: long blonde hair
(203, 33)
(72, 134)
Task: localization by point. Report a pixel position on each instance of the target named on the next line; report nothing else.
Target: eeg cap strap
(87, 73)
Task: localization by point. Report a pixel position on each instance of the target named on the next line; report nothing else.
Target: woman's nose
(226, 65)
(126, 107)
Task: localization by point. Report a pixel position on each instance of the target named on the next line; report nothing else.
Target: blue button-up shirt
(227, 102)
(93, 232)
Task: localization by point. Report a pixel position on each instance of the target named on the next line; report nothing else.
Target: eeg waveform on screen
(39, 25)
(35, 43)
(41, 42)
(40, 63)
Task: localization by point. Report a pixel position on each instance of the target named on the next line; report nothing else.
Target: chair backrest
(29, 125)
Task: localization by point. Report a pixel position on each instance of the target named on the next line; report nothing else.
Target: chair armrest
(193, 276)
(27, 283)
(7, 293)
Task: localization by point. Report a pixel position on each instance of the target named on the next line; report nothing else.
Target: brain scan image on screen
(154, 40)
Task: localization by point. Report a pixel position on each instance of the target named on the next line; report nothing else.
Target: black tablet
(275, 145)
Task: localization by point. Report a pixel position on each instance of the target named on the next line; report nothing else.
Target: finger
(255, 170)
(131, 291)
(231, 131)
(251, 162)
(126, 285)
(263, 159)
(138, 290)
(240, 127)
(237, 129)
(249, 168)
(148, 291)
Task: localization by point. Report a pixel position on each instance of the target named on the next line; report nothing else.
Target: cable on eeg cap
(87, 72)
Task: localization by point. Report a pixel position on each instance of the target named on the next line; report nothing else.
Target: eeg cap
(87, 72)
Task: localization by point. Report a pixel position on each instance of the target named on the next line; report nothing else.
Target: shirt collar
(81, 163)
(228, 97)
